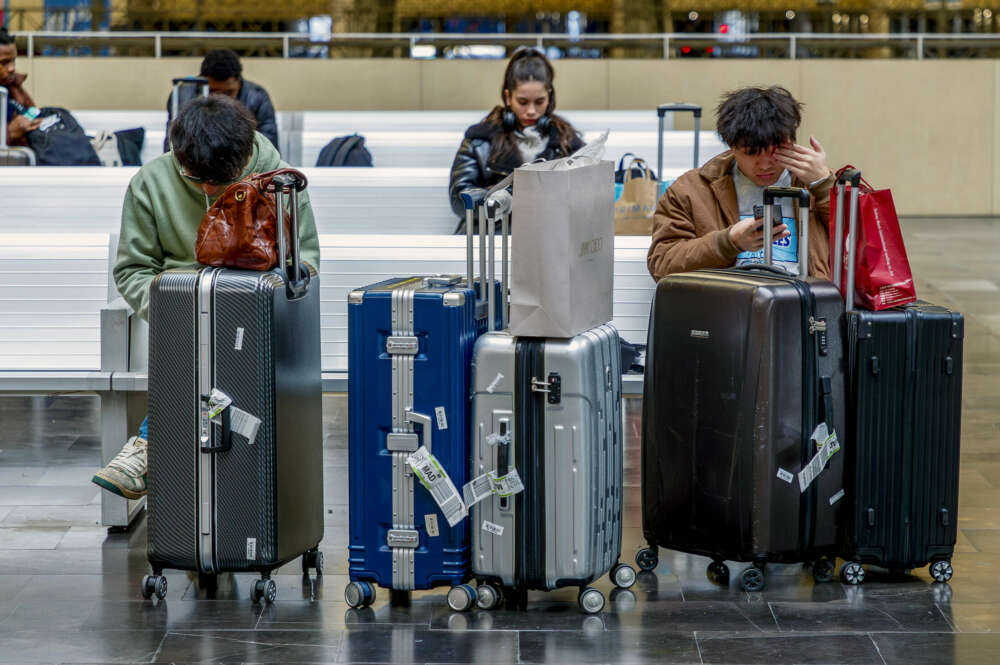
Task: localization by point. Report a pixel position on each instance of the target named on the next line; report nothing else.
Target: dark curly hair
(221, 64)
(757, 119)
(212, 138)
(5, 38)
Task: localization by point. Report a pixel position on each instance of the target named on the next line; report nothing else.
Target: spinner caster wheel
(941, 571)
(154, 585)
(591, 600)
(461, 598)
(647, 559)
(623, 575)
(718, 572)
(823, 570)
(752, 579)
(313, 559)
(488, 597)
(359, 594)
(264, 589)
(852, 573)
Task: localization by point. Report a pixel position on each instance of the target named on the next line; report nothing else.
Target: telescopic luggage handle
(852, 175)
(802, 196)
(661, 111)
(289, 184)
(486, 207)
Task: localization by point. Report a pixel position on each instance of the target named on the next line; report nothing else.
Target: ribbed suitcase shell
(564, 529)
(904, 422)
(271, 491)
(731, 396)
(446, 334)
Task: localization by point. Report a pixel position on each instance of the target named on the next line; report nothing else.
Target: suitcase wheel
(941, 571)
(823, 570)
(752, 579)
(488, 596)
(359, 594)
(647, 559)
(313, 559)
(718, 572)
(461, 598)
(623, 575)
(591, 600)
(264, 589)
(157, 585)
(852, 573)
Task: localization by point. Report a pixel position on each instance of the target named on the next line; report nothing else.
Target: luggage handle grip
(661, 112)
(203, 91)
(762, 266)
(288, 184)
(227, 435)
(421, 419)
(852, 175)
(802, 196)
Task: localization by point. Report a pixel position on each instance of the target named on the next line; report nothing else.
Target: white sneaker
(125, 475)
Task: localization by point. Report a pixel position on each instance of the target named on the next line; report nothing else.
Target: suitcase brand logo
(700, 334)
(591, 247)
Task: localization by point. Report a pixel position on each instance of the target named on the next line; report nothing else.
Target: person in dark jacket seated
(17, 125)
(524, 128)
(224, 72)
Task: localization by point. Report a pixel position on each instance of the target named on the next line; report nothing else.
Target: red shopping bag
(882, 273)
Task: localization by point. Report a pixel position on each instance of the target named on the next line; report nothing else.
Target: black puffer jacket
(472, 166)
(258, 102)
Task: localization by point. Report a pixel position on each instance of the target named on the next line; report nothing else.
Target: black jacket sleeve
(466, 173)
(258, 102)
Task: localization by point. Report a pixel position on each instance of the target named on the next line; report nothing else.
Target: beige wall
(930, 130)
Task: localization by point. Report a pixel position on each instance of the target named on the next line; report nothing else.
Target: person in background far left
(18, 125)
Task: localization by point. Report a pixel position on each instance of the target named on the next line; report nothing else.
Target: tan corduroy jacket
(692, 220)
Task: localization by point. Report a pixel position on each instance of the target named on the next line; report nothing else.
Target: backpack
(345, 151)
(60, 141)
(121, 148)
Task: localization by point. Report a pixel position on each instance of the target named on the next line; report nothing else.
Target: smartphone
(776, 219)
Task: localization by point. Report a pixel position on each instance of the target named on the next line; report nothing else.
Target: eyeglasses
(201, 181)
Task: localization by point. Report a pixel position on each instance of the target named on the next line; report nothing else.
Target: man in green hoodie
(214, 144)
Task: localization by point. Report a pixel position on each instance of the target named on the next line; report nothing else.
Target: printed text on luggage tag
(508, 485)
(431, 524)
(251, 549)
(238, 345)
(827, 449)
(430, 474)
(836, 497)
(442, 417)
(495, 529)
(476, 490)
(787, 476)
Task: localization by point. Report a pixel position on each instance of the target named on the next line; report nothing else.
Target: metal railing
(664, 45)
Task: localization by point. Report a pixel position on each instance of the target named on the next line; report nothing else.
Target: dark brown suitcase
(744, 364)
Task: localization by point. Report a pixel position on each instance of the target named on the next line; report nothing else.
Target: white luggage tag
(428, 471)
(828, 445)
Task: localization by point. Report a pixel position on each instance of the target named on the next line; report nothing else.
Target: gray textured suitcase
(242, 491)
(550, 409)
(11, 155)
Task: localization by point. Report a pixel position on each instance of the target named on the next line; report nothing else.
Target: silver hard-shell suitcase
(551, 410)
(11, 155)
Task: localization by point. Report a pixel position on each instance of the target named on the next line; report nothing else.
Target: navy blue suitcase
(410, 344)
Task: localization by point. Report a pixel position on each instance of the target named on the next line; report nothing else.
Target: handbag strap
(642, 165)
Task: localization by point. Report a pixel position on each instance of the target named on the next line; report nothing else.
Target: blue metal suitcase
(410, 344)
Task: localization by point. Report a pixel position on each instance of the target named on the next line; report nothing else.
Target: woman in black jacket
(523, 129)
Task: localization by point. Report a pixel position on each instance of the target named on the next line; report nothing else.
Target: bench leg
(121, 414)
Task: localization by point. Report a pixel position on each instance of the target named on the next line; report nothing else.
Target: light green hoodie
(161, 216)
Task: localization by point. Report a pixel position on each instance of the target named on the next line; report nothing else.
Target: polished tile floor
(69, 591)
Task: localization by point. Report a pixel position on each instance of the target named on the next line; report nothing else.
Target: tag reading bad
(476, 490)
(427, 469)
(495, 529)
(508, 485)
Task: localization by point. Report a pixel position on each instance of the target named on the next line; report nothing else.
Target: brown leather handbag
(240, 230)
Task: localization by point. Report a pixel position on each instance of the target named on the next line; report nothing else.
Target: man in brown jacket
(706, 218)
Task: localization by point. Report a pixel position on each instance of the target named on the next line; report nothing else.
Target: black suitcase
(240, 489)
(904, 370)
(741, 371)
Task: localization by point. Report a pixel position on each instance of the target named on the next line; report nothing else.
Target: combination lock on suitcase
(235, 450)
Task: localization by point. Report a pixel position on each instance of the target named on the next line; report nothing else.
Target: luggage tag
(828, 446)
(245, 424)
(489, 484)
(428, 471)
(508, 485)
(490, 527)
